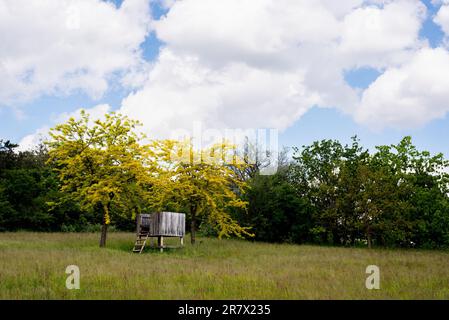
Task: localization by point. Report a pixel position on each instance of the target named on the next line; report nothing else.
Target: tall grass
(32, 266)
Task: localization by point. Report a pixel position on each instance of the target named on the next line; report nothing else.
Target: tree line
(337, 194)
(92, 174)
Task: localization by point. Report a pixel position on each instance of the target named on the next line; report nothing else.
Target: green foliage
(25, 184)
(201, 183)
(34, 213)
(393, 197)
(275, 211)
(98, 173)
(101, 166)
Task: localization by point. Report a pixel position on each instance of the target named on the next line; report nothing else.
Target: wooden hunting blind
(159, 225)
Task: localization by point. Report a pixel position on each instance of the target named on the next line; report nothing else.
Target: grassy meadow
(32, 266)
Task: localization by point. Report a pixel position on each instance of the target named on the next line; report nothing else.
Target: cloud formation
(243, 63)
(442, 18)
(63, 46)
(42, 134)
(410, 95)
(246, 63)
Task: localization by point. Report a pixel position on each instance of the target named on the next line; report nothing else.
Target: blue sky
(22, 118)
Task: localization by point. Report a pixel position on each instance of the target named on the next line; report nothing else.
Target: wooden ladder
(141, 241)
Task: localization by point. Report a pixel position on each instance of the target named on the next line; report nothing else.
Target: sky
(312, 69)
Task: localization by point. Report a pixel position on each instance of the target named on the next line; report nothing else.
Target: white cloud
(241, 29)
(32, 140)
(244, 63)
(439, 2)
(381, 36)
(97, 112)
(272, 33)
(408, 96)
(57, 46)
(264, 63)
(42, 134)
(442, 18)
(181, 91)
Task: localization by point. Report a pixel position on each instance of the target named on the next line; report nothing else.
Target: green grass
(32, 266)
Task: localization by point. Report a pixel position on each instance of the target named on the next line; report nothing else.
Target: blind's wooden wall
(169, 224)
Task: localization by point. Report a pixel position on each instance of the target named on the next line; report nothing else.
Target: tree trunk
(368, 236)
(193, 209)
(106, 221)
(193, 229)
(137, 224)
(104, 231)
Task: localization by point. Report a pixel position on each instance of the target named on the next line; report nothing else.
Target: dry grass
(32, 266)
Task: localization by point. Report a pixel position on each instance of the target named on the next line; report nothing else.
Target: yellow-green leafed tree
(201, 182)
(102, 165)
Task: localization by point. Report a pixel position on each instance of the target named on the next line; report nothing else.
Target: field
(32, 266)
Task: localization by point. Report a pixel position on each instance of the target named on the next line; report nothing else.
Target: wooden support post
(162, 243)
(138, 224)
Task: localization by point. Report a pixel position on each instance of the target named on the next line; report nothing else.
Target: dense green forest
(326, 193)
(340, 194)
